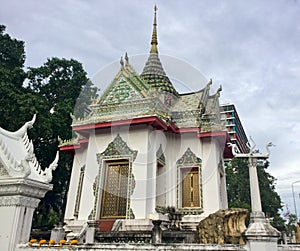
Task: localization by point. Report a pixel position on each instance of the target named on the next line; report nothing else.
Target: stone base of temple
(190, 222)
(73, 228)
(136, 225)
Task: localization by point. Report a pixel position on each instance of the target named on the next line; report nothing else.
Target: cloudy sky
(251, 48)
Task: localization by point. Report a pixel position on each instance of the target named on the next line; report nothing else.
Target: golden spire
(154, 42)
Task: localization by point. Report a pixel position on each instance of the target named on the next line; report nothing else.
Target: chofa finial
(126, 58)
(122, 62)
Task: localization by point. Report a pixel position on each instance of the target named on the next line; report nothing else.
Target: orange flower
(42, 242)
(31, 242)
(73, 242)
(61, 242)
(51, 242)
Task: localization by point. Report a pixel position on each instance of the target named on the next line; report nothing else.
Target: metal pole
(294, 200)
(295, 207)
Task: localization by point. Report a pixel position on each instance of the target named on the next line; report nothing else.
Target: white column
(260, 235)
(254, 186)
(18, 199)
(27, 223)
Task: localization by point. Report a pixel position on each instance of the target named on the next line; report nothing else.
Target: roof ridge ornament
(126, 58)
(122, 62)
(219, 91)
(18, 157)
(154, 42)
(21, 131)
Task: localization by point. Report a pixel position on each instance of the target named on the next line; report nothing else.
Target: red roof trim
(189, 129)
(153, 120)
(222, 137)
(213, 134)
(72, 148)
(174, 128)
(150, 120)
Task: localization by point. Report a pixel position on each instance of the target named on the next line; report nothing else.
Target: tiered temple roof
(153, 73)
(151, 94)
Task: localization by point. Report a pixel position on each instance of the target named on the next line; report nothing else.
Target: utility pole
(295, 207)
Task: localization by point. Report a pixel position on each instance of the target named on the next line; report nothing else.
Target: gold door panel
(114, 199)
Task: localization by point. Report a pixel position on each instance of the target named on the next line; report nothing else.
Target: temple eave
(153, 120)
(150, 120)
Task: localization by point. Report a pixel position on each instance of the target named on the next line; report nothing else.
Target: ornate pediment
(116, 148)
(189, 159)
(120, 92)
(126, 86)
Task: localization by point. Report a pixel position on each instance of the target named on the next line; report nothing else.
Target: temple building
(145, 148)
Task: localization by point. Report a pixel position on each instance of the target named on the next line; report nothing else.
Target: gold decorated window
(190, 188)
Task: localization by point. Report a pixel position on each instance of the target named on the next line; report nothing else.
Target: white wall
(147, 140)
(78, 162)
(211, 153)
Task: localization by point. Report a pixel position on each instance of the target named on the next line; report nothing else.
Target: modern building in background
(234, 126)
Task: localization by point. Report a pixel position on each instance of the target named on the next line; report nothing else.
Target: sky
(251, 48)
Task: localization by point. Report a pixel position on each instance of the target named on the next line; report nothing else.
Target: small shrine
(23, 183)
(145, 148)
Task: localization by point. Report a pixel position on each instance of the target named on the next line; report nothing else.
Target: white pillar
(260, 235)
(254, 186)
(18, 199)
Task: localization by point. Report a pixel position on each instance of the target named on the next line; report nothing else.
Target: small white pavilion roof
(17, 158)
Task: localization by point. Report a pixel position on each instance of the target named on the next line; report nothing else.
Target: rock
(223, 227)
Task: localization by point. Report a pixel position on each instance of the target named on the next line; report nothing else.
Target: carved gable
(116, 148)
(189, 159)
(122, 91)
(126, 86)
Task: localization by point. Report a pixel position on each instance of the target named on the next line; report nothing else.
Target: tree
(238, 189)
(291, 224)
(238, 186)
(59, 82)
(52, 91)
(14, 99)
(12, 58)
(84, 99)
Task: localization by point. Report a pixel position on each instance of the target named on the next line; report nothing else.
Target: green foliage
(13, 96)
(238, 189)
(12, 58)
(53, 217)
(55, 86)
(84, 99)
(291, 224)
(59, 82)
